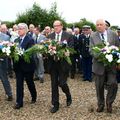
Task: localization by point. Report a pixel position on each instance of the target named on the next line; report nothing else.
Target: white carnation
(6, 50)
(109, 57)
(118, 61)
(3, 50)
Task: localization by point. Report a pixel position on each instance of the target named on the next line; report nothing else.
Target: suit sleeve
(71, 41)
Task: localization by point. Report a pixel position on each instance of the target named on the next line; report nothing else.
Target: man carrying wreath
(104, 74)
(59, 70)
(24, 71)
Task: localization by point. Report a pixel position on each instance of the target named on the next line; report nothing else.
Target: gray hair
(23, 25)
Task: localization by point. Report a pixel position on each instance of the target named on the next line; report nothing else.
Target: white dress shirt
(105, 35)
(60, 35)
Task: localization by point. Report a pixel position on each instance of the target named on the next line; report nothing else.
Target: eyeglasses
(56, 25)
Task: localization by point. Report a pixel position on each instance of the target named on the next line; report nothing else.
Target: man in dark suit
(84, 41)
(59, 70)
(24, 70)
(76, 60)
(104, 74)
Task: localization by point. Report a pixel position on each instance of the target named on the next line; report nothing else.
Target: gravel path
(83, 107)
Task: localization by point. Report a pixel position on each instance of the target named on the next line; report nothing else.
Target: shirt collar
(22, 37)
(59, 33)
(104, 33)
(39, 34)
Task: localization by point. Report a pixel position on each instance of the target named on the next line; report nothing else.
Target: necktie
(76, 37)
(21, 41)
(57, 37)
(87, 36)
(36, 39)
(102, 35)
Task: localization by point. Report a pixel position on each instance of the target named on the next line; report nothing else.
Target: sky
(70, 10)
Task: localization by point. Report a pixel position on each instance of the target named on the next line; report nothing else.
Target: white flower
(3, 50)
(6, 50)
(67, 53)
(112, 47)
(65, 42)
(107, 50)
(118, 61)
(107, 43)
(40, 46)
(118, 54)
(52, 52)
(109, 57)
(19, 51)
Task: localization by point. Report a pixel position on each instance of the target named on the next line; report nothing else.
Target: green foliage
(38, 16)
(114, 27)
(9, 24)
(53, 48)
(81, 23)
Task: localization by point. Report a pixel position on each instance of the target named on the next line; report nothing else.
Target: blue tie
(21, 41)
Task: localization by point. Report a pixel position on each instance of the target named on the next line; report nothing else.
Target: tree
(38, 16)
(81, 23)
(114, 27)
(9, 24)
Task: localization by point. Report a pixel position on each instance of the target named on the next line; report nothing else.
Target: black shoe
(54, 109)
(90, 80)
(69, 102)
(33, 101)
(100, 109)
(10, 98)
(11, 76)
(109, 108)
(17, 106)
(72, 76)
(41, 80)
(36, 79)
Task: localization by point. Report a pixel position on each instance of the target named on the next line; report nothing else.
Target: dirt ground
(83, 106)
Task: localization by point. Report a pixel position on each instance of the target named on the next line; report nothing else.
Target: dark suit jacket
(76, 43)
(84, 43)
(63, 65)
(21, 64)
(65, 36)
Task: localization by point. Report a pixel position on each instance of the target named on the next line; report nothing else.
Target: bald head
(100, 25)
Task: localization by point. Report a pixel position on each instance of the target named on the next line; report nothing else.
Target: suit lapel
(108, 36)
(23, 42)
(53, 36)
(63, 36)
(98, 39)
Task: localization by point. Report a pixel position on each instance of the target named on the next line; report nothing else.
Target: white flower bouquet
(6, 48)
(10, 49)
(107, 54)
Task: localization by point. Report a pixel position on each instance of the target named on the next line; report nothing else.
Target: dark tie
(21, 41)
(57, 37)
(102, 35)
(76, 37)
(36, 39)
